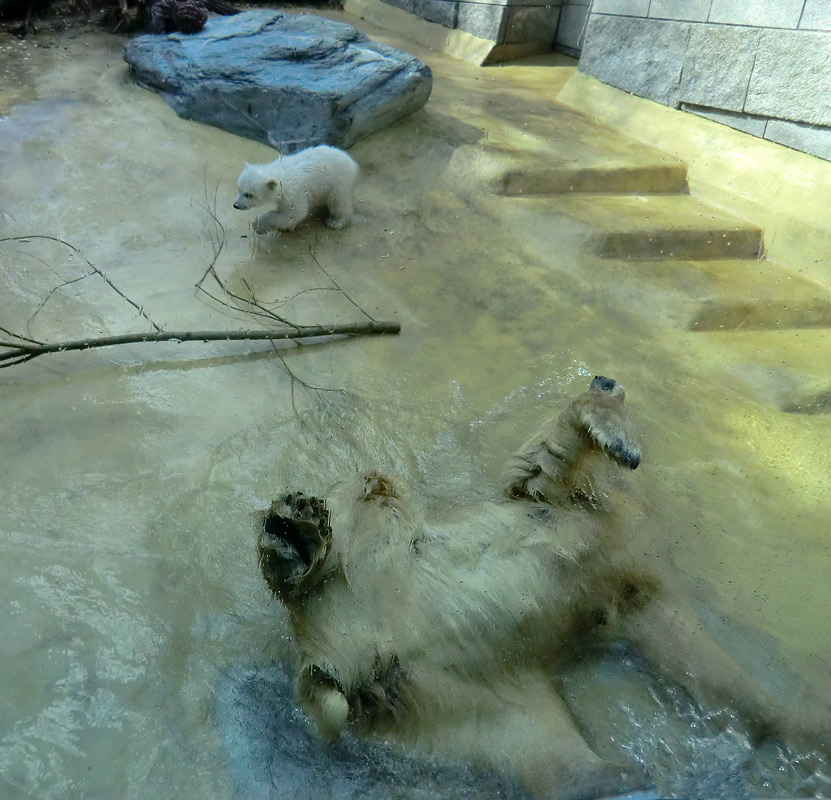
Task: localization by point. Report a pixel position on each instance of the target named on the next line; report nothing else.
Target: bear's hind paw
(323, 698)
(383, 700)
(295, 540)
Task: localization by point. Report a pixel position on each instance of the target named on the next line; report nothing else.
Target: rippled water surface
(143, 656)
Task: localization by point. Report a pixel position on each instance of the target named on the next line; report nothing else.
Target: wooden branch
(17, 353)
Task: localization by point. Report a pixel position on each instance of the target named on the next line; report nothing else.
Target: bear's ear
(271, 184)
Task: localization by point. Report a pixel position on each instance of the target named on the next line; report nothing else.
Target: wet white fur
(296, 185)
(477, 605)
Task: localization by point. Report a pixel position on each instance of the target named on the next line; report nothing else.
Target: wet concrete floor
(134, 606)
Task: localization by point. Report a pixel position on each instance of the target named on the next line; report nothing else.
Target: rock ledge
(288, 80)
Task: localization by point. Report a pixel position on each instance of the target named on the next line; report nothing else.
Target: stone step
(544, 171)
(661, 227)
(651, 179)
(739, 294)
(760, 295)
(789, 368)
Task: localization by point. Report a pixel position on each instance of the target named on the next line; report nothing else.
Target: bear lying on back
(445, 634)
(298, 184)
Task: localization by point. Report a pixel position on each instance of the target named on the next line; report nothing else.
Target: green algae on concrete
(658, 226)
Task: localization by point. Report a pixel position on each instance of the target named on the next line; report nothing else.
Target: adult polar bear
(447, 634)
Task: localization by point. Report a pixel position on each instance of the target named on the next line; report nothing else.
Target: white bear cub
(296, 185)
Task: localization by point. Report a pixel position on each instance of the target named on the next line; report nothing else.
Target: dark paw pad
(295, 540)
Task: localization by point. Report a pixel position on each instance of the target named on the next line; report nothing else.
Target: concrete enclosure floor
(524, 246)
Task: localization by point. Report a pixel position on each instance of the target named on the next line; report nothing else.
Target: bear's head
(256, 188)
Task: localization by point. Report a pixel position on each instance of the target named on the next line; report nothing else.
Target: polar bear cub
(296, 185)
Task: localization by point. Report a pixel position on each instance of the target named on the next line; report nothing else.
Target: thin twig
(251, 304)
(23, 352)
(49, 295)
(297, 379)
(18, 336)
(92, 267)
(337, 285)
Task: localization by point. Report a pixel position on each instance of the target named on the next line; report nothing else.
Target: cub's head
(256, 188)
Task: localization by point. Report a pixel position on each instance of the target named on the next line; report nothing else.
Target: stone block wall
(762, 66)
(505, 22)
(571, 30)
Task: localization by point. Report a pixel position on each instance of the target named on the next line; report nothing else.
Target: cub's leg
(339, 203)
(286, 219)
(294, 541)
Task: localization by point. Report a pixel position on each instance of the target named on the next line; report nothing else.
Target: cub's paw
(294, 541)
(336, 223)
(263, 224)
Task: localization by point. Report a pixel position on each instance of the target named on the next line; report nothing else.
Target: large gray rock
(288, 80)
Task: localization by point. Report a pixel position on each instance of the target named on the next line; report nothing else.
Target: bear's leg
(324, 700)
(286, 219)
(340, 208)
(560, 464)
(673, 639)
(295, 540)
(521, 727)
(379, 703)
(551, 757)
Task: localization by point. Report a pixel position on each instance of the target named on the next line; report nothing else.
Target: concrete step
(661, 227)
(738, 294)
(760, 295)
(790, 368)
(542, 171)
(650, 179)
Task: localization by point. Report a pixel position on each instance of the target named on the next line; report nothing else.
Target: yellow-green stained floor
(528, 228)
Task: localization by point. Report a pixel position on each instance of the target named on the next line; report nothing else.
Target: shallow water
(143, 656)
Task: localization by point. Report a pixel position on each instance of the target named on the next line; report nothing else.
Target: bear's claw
(381, 700)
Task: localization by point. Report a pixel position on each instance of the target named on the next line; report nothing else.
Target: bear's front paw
(295, 540)
(336, 223)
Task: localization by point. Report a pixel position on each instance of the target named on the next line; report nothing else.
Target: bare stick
(17, 353)
(251, 304)
(336, 284)
(18, 336)
(92, 267)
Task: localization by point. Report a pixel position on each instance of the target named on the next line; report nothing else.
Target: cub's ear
(271, 184)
